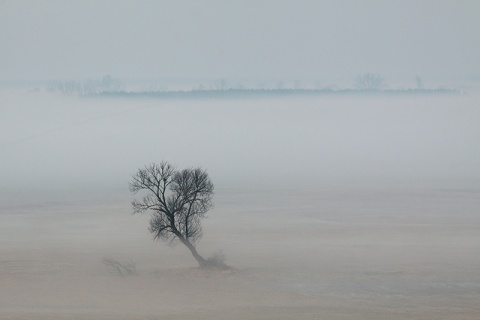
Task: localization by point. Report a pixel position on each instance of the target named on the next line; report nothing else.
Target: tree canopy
(177, 201)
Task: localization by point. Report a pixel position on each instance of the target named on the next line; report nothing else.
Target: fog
(51, 141)
(328, 41)
(335, 206)
(332, 200)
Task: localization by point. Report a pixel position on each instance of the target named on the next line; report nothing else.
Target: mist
(332, 200)
(327, 41)
(317, 199)
(53, 141)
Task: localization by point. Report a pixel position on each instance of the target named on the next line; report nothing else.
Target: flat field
(348, 207)
(345, 252)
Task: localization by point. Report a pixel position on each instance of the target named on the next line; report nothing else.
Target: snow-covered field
(327, 208)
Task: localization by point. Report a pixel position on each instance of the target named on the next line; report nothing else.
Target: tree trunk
(201, 261)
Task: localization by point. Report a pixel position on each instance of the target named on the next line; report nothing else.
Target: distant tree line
(85, 88)
(363, 83)
(369, 82)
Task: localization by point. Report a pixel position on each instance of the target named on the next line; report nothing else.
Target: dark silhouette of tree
(177, 201)
(369, 81)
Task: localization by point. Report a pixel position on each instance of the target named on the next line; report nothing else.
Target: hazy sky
(324, 40)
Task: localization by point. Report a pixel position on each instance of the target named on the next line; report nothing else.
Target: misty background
(326, 41)
(294, 142)
(330, 202)
(54, 140)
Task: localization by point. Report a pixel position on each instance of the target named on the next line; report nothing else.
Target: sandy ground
(346, 252)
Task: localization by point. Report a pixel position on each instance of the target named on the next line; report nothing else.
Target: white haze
(328, 41)
(338, 207)
(342, 206)
(50, 141)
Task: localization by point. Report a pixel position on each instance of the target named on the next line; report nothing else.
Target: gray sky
(324, 40)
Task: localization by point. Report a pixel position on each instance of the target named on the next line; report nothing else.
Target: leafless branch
(177, 201)
(122, 269)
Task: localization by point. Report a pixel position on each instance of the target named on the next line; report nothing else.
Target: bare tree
(177, 201)
(369, 81)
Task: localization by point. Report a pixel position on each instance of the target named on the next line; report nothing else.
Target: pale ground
(345, 252)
